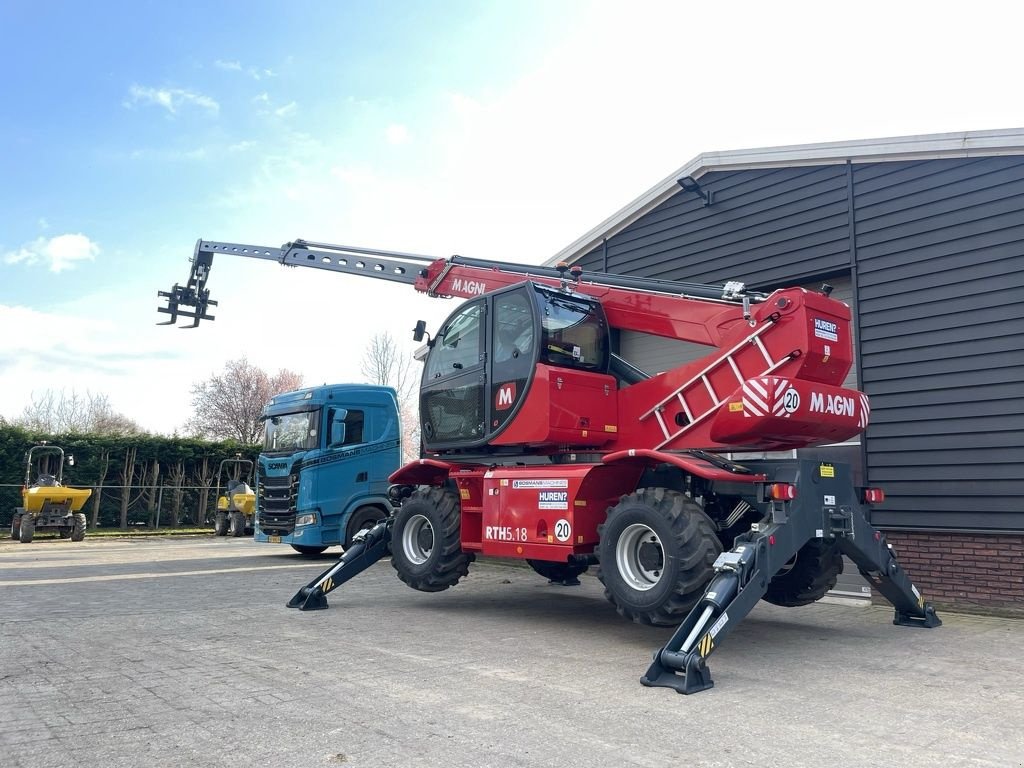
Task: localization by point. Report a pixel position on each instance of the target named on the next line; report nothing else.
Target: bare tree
(228, 405)
(104, 465)
(385, 363)
(127, 477)
(177, 477)
(204, 478)
(54, 412)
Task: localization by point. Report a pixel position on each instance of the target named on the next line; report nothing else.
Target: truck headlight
(309, 519)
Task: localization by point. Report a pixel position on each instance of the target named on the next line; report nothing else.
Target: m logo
(505, 397)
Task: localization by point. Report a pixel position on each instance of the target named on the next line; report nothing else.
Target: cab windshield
(288, 432)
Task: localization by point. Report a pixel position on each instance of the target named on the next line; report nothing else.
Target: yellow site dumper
(46, 503)
(236, 507)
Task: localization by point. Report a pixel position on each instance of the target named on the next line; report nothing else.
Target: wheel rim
(418, 539)
(640, 557)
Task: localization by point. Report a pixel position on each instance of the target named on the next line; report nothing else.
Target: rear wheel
(362, 519)
(64, 532)
(302, 549)
(657, 549)
(28, 528)
(558, 573)
(808, 577)
(78, 527)
(425, 547)
(16, 528)
(220, 524)
(237, 525)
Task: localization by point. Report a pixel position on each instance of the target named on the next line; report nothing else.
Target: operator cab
(483, 361)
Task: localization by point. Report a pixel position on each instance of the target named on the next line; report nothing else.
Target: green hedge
(184, 469)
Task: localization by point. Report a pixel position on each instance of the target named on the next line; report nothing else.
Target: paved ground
(181, 653)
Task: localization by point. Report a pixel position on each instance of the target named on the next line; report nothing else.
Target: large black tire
(27, 528)
(363, 518)
(220, 524)
(425, 547)
(809, 577)
(64, 531)
(558, 573)
(236, 527)
(656, 551)
(16, 528)
(78, 527)
(302, 549)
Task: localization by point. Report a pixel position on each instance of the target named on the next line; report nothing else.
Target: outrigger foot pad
(695, 677)
(929, 620)
(309, 599)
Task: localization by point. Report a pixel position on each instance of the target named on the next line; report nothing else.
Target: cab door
(512, 352)
(452, 410)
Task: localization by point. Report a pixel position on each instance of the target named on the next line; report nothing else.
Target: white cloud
(228, 65)
(58, 253)
(287, 110)
(171, 99)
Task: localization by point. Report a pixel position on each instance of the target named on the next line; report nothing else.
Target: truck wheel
(78, 527)
(237, 525)
(362, 519)
(64, 531)
(28, 528)
(220, 524)
(558, 573)
(425, 546)
(308, 551)
(809, 577)
(656, 551)
(16, 528)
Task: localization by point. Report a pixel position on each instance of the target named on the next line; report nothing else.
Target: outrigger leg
(742, 574)
(367, 548)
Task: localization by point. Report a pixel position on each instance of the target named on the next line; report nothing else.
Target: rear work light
(782, 492)
(873, 495)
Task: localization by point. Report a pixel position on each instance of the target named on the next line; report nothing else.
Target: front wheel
(16, 528)
(657, 550)
(807, 578)
(220, 524)
(78, 527)
(27, 528)
(363, 519)
(237, 525)
(426, 550)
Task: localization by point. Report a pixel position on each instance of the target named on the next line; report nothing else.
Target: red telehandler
(542, 444)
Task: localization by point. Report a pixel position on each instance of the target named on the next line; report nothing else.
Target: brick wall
(973, 572)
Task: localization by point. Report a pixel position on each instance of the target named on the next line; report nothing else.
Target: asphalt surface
(162, 652)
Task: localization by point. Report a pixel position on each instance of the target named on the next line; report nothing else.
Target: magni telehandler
(543, 444)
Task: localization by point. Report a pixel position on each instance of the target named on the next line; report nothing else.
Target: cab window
(457, 346)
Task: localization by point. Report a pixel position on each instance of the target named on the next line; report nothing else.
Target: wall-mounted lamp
(689, 184)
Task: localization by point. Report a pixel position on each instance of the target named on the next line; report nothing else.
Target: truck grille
(277, 498)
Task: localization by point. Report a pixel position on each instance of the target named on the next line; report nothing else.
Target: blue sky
(495, 129)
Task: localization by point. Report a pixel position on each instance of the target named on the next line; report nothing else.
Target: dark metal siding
(940, 302)
(940, 250)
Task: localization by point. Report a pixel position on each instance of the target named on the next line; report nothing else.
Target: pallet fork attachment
(742, 574)
(367, 548)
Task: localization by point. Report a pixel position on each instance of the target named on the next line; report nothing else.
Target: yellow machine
(46, 504)
(236, 507)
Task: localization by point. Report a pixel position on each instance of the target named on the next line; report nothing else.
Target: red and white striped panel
(764, 396)
(865, 411)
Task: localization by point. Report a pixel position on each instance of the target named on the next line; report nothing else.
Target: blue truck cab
(322, 474)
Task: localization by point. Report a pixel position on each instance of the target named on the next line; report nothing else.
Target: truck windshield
(290, 431)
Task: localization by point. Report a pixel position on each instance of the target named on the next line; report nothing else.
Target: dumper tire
(426, 547)
(78, 527)
(27, 529)
(16, 528)
(558, 573)
(64, 531)
(236, 526)
(220, 524)
(807, 578)
(656, 550)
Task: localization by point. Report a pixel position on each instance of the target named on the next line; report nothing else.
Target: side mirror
(71, 460)
(419, 331)
(338, 431)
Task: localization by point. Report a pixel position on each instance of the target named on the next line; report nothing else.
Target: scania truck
(323, 470)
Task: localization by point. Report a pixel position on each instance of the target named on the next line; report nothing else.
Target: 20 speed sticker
(563, 531)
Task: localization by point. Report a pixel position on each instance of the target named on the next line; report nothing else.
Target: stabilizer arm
(826, 510)
(367, 548)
